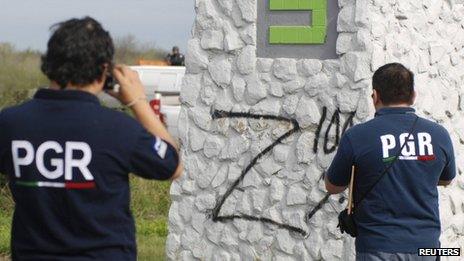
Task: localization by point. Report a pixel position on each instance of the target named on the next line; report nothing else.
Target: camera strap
(386, 170)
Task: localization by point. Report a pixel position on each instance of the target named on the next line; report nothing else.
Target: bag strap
(350, 191)
(389, 166)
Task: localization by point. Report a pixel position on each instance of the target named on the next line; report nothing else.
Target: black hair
(77, 52)
(394, 83)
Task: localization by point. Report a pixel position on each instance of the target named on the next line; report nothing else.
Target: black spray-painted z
(335, 120)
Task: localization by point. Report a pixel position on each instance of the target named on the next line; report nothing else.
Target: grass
(19, 71)
(6, 211)
(150, 205)
(19, 74)
(5, 228)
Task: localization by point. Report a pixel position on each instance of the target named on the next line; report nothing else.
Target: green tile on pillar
(306, 4)
(319, 34)
(282, 34)
(276, 4)
(306, 36)
(275, 34)
(314, 34)
(292, 4)
(302, 5)
(319, 4)
(319, 18)
(297, 35)
(289, 4)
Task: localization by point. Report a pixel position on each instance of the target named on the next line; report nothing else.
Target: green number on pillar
(314, 34)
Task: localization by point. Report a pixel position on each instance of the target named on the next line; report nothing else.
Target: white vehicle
(165, 80)
(161, 79)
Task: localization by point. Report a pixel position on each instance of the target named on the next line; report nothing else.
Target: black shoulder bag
(346, 222)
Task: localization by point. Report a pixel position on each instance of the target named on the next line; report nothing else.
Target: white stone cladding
(223, 73)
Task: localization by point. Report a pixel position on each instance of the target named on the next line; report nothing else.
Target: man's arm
(153, 157)
(132, 91)
(333, 189)
(449, 172)
(338, 175)
(148, 119)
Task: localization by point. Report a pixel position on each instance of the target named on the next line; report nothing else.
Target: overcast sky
(26, 23)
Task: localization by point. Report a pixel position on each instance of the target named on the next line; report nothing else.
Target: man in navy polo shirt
(67, 158)
(400, 214)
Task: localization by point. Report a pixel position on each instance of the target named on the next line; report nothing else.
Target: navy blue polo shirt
(67, 159)
(401, 213)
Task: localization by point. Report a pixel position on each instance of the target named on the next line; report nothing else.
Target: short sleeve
(339, 172)
(153, 158)
(449, 171)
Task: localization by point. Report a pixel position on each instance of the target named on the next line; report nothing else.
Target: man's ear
(413, 98)
(375, 97)
(102, 78)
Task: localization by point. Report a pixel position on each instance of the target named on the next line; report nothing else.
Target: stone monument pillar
(268, 94)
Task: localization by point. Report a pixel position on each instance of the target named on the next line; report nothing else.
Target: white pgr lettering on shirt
(388, 143)
(57, 163)
(61, 167)
(424, 142)
(16, 145)
(82, 163)
(160, 147)
(410, 147)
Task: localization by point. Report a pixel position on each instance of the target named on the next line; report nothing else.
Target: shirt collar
(50, 94)
(395, 110)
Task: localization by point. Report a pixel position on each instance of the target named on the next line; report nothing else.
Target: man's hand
(131, 88)
(133, 92)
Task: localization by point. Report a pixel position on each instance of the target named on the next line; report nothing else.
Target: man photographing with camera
(67, 158)
(399, 160)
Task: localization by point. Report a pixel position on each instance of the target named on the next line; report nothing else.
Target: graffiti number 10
(339, 130)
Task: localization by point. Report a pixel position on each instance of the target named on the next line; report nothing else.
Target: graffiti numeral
(334, 121)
